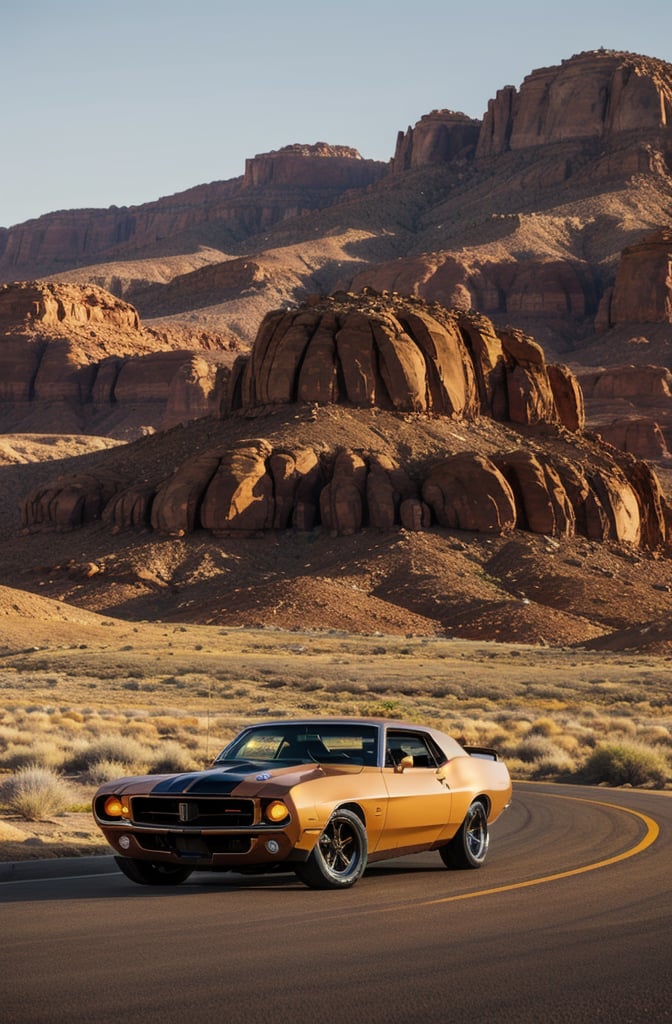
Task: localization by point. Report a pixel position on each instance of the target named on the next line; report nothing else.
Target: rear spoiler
(486, 752)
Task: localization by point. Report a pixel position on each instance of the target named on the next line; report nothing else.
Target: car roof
(448, 744)
(339, 719)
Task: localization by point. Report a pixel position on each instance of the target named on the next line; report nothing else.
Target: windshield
(303, 743)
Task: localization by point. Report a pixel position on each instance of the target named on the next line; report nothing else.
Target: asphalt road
(569, 921)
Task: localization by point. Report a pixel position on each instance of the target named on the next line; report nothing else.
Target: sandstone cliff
(77, 358)
(443, 136)
(276, 186)
(642, 290)
(592, 95)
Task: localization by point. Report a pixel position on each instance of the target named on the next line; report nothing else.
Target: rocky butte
(371, 352)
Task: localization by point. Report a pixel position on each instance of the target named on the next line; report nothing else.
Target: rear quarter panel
(468, 777)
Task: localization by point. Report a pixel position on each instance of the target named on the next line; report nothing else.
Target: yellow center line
(652, 831)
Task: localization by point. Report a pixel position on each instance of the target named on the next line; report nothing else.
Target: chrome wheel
(338, 859)
(469, 846)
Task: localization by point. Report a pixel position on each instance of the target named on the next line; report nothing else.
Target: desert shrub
(544, 727)
(658, 734)
(625, 763)
(44, 753)
(123, 749)
(9, 735)
(621, 724)
(537, 749)
(557, 762)
(172, 757)
(105, 771)
(35, 793)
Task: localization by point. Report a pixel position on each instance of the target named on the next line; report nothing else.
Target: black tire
(469, 846)
(338, 859)
(150, 872)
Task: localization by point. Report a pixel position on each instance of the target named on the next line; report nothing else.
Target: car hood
(244, 780)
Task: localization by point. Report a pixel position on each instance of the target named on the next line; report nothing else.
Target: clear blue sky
(121, 103)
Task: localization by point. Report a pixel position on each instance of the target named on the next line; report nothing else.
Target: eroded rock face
(439, 137)
(639, 435)
(82, 347)
(467, 492)
(250, 487)
(49, 304)
(541, 501)
(642, 291)
(568, 396)
(639, 382)
(406, 355)
(275, 186)
(69, 501)
(593, 94)
(239, 497)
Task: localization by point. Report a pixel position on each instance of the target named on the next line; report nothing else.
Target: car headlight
(276, 812)
(114, 807)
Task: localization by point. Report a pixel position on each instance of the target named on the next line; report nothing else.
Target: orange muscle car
(319, 797)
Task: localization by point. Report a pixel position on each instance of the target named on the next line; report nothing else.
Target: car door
(419, 802)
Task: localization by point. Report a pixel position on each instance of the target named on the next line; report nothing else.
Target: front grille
(202, 847)
(192, 812)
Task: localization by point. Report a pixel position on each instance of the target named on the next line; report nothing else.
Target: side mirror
(406, 762)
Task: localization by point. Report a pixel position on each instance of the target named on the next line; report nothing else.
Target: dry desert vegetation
(86, 698)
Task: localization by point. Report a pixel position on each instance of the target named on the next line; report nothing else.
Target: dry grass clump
(172, 757)
(35, 793)
(135, 756)
(104, 771)
(622, 763)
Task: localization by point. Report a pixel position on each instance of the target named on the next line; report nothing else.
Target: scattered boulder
(542, 503)
(239, 496)
(468, 492)
(342, 500)
(639, 435)
(69, 501)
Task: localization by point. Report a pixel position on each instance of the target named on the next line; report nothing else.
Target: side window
(405, 744)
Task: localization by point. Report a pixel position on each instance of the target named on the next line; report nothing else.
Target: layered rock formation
(252, 487)
(403, 354)
(632, 408)
(376, 351)
(592, 95)
(521, 216)
(81, 349)
(642, 290)
(640, 435)
(276, 186)
(541, 288)
(441, 137)
(320, 166)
